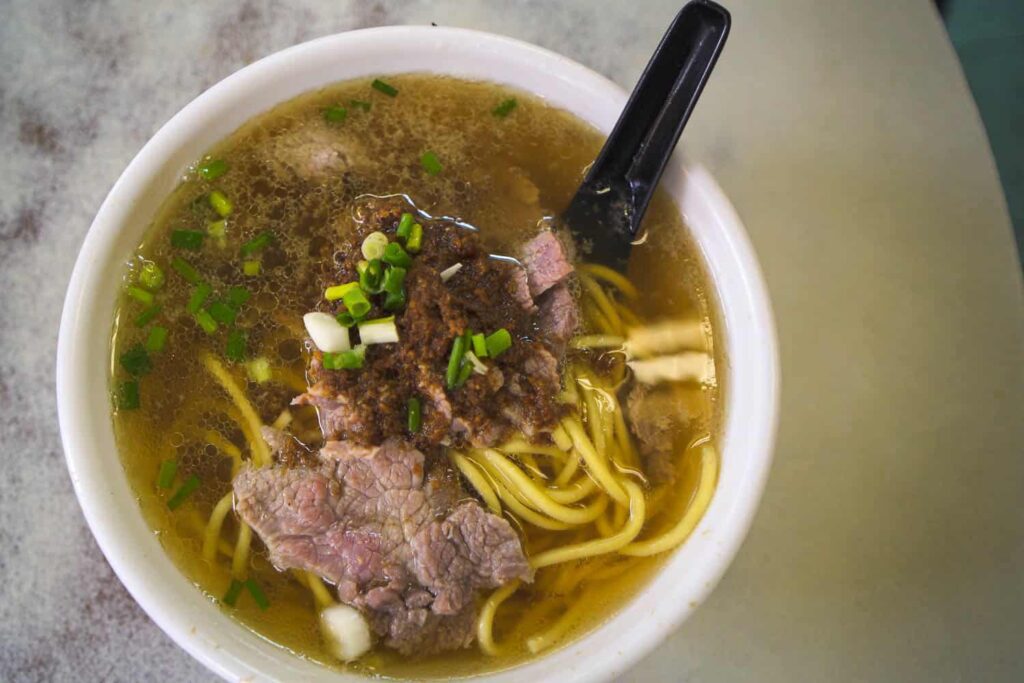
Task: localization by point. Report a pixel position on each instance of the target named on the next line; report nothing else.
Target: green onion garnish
(455, 361)
(259, 370)
(359, 104)
(372, 276)
(187, 239)
(355, 301)
(221, 204)
(235, 349)
(223, 313)
(157, 339)
(464, 372)
(140, 295)
(505, 108)
(479, 345)
(498, 342)
(206, 321)
(237, 296)
(185, 270)
(128, 395)
(256, 243)
(151, 276)
(373, 245)
(396, 256)
(345, 319)
(345, 360)
(218, 230)
(183, 492)
(335, 292)
(415, 241)
(199, 296)
(142, 319)
(335, 114)
(136, 361)
(257, 594)
(168, 468)
(251, 268)
(405, 225)
(431, 164)
(383, 87)
(213, 169)
(394, 285)
(415, 415)
(234, 590)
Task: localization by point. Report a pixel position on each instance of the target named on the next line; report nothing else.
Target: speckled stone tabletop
(890, 544)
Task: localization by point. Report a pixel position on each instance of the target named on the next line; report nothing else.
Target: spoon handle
(609, 205)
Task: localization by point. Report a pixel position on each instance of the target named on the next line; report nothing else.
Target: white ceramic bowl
(83, 353)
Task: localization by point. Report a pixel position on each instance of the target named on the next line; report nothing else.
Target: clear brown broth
(485, 158)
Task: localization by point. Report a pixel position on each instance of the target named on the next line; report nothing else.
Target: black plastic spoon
(606, 212)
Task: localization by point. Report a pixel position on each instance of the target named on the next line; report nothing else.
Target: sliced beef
(557, 317)
(546, 261)
(401, 541)
(655, 416)
(487, 294)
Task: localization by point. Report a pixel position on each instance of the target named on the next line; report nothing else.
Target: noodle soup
(210, 347)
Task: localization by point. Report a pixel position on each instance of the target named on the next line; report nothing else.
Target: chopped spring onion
(199, 296)
(464, 372)
(371, 277)
(356, 302)
(213, 169)
(479, 345)
(251, 268)
(378, 331)
(498, 342)
(223, 313)
(257, 594)
(206, 321)
(151, 276)
(183, 492)
(415, 241)
(415, 415)
(386, 88)
(187, 239)
(339, 291)
(157, 339)
(405, 225)
(165, 478)
(374, 244)
(143, 319)
(237, 296)
(128, 395)
(136, 361)
(478, 367)
(359, 104)
(220, 203)
(258, 370)
(448, 272)
(335, 114)
(394, 285)
(218, 231)
(345, 319)
(256, 243)
(326, 332)
(431, 164)
(455, 361)
(235, 349)
(505, 108)
(140, 295)
(185, 270)
(346, 360)
(234, 590)
(396, 256)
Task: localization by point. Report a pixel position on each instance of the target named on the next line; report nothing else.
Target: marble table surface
(890, 543)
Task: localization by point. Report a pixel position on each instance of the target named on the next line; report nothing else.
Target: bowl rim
(587, 658)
